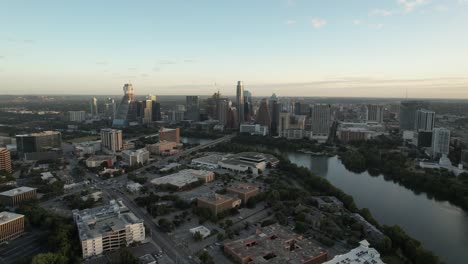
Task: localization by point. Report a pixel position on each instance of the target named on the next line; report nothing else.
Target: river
(440, 226)
(193, 140)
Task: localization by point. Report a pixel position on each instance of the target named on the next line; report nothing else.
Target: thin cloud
(101, 62)
(410, 5)
(2, 57)
(291, 2)
(381, 12)
(318, 23)
(357, 22)
(290, 22)
(167, 62)
(189, 61)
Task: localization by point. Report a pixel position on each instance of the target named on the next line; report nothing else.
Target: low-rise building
(11, 225)
(88, 147)
(48, 177)
(254, 129)
(96, 161)
(17, 196)
(107, 228)
(134, 187)
(296, 133)
(164, 148)
(218, 203)
(248, 161)
(202, 230)
(185, 178)
(243, 191)
(139, 156)
(275, 244)
(360, 255)
(210, 161)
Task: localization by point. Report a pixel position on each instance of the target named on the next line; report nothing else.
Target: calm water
(191, 140)
(440, 226)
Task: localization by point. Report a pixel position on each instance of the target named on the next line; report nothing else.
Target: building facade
(424, 120)
(374, 113)
(408, 113)
(192, 103)
(126, 111)
(218, 203)
(440, 142)
(76, 116)
(320, 119)
(17, 196)
(133, 158)
(5, 160)
(38, 146)
(170, 135)
(111, 139)
(11, 226)
(240, 102)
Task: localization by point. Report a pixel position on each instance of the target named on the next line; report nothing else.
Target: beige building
(5, 160)
(243, 191)
(111, 139)
(11, 226)
(185, 178)
(107, 228)
(169, 134)
(162, 148)
(16, 196)
(218, 203)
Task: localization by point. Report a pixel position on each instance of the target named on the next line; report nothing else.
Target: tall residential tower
(240, 102)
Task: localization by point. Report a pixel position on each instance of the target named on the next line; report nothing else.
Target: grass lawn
(83, 139)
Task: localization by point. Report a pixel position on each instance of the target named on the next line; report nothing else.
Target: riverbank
(315, 185)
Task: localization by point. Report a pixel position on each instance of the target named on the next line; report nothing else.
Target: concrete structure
(424, 121)
(133, 158)
(440, 142)
(296, 134)
(320, 119)
(134, 187)
(94, 106)
(218, 203)
(88, 147)
(254, 129)
(408, 114)
(360, 255)
(111, 139)
(96, 161)
(11, 226)
(76, 116)
(127, 108)
(163, 148)
(39, 146)
(240, 102)
(202, 230)
(277, 245)
(5, 160)
(107, 228)
(374, 113)
(210, 161)
(248, 161)
(18, 195)
(185, 178)
(170, 135)
(243, 191)
(192, 108)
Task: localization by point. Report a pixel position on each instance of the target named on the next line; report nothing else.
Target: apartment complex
(11, 225)
(218, 203)
(5, 160)
(111, 139)
(275, 244)
(76, 116)
(18, 195)
(107, 228)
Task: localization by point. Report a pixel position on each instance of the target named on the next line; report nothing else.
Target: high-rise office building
(374, 113)
(39, 146)
(240, 102)
(192, 104)
(223, 105)
(440, 142)
(127, 109)
(169, 135)
(111, 108)
(147, 111)
(112, 139)
(233, 118)
(5, 160)
(76, 116)
(274, 108)
(320, 119)
(94, 106)
(263, 114)
(248, 106)
(156, 108)
(284, 121)
(408, 113)
(424, 120)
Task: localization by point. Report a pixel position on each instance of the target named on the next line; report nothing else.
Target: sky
(330, 48)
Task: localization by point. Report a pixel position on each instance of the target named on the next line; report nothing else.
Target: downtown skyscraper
(192, 104)
(127, 109)
(240, 102)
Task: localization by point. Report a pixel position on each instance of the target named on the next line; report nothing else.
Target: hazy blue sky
(369, 48)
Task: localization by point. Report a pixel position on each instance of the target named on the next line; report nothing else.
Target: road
(178, 255)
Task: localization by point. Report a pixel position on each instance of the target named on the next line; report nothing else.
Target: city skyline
(288, 47)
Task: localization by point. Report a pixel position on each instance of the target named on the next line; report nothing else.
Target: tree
(198, 236)
(206, 258)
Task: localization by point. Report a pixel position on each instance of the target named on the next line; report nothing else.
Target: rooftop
(17, 191)
(242, 188)
(215, 198)
(213, 159)
(359, 255)
(95, 222)
(100, 157)
(182, 178)
(8, 216)
(247, 158)
(276, 244)
(38, 134)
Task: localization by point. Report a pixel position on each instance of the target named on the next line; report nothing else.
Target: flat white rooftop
(17, 191)
(360, 255)
(182, 178)
(9, 216)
